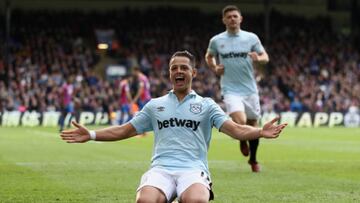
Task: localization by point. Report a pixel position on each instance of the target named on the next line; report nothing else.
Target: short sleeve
(212, 47)
(217, 115)
(257, 47)
(142, 120)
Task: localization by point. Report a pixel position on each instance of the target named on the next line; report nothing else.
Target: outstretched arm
(81, 134)
(245, 132)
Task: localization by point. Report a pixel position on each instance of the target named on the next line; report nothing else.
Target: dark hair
(135, 68)
(230, 8)
(186, 54)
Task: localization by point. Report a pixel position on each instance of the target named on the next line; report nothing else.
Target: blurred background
(76, 52)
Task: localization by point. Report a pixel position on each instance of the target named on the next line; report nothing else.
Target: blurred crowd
(312, 68)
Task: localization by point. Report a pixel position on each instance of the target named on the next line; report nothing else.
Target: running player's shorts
(249, 104)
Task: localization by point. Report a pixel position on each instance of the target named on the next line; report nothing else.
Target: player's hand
(254, 56)
(271, 130)
(219, 70)
(78, 135)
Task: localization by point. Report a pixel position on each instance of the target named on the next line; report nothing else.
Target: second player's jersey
(232, 51)
(67, 91)
(182, 130)
(124, 90)
(145, 96)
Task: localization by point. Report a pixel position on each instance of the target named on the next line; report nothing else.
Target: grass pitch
(303, 165)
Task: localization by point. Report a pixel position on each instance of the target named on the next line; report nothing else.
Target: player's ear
(194, 72)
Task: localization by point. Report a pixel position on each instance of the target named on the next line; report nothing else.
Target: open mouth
(179, 80)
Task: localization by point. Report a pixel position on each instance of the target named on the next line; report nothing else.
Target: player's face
(232, 20)
(181, 73)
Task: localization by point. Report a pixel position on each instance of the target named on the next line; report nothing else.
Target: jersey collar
(192, 93)
(233, 35)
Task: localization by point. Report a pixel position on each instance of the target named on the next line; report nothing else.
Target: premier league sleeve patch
(195, 108)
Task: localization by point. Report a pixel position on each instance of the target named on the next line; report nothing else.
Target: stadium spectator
(45, 47)
(182, 121)
(296, 105)
(237, 50)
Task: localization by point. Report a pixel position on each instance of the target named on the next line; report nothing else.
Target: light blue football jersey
(232, 51)
(182, 130)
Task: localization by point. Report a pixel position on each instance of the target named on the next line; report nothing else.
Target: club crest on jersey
(195, 108)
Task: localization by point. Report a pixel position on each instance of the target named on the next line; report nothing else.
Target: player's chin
(180, 89)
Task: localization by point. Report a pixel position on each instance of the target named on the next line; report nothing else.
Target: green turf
(303, 165)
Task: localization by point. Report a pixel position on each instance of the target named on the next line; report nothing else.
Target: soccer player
(182, 122)
(125, 100)
(236, 51)
(66, 101)
(142, 95)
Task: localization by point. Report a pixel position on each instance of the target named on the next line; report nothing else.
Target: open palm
(78, 135)
(270, 130)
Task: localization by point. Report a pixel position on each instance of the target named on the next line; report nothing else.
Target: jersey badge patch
(195, 108)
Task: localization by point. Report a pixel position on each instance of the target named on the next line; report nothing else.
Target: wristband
(92, 135)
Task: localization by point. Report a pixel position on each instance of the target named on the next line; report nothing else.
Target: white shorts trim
(173, 184)
(249, 104)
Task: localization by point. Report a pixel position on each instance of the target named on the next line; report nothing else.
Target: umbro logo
(160, 108)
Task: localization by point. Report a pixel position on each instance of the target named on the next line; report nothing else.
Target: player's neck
(181, 94)
(233, 31)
